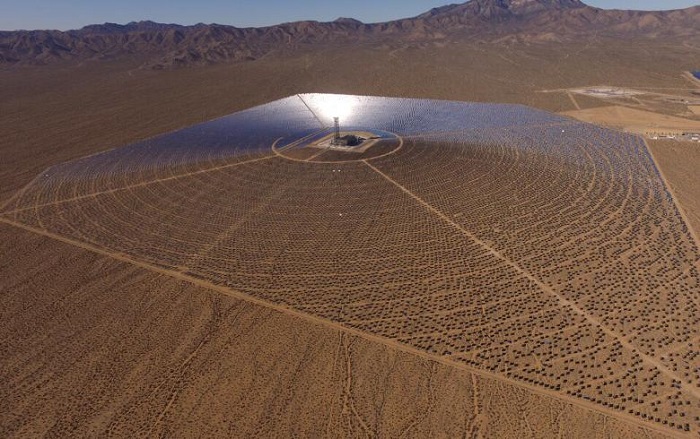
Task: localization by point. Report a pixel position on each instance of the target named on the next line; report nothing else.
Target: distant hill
(501, 21)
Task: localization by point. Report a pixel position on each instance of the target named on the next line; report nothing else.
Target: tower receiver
(336, 136)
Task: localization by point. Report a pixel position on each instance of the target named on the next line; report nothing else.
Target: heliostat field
(517, 243)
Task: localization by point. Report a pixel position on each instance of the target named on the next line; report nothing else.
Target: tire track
(391, 344)
(684, 385)
(137, 185)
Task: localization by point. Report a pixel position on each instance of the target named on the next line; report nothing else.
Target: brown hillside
(168, 45)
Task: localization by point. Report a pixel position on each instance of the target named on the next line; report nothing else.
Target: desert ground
(93, 340)
(636, 121)
(679, 161)
(110, 355)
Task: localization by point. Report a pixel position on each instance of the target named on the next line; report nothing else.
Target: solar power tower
(336, 137)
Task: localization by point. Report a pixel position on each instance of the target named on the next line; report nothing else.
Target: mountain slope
(170, 45)
(501, 8)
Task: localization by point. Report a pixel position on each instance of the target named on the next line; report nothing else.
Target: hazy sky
(73, 14)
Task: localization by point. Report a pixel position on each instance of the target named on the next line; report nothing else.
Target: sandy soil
(55, 114)
(680, 162)
(113, 349)
(634, 120)
(386, 242)
(71, 321)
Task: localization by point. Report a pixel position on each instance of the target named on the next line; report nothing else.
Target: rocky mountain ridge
(171, 45)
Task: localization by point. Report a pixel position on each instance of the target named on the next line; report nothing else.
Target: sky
(73, 14)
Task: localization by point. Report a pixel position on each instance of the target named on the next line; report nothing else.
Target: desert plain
(99, 339)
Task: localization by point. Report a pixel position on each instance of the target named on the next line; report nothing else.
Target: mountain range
(158, 45)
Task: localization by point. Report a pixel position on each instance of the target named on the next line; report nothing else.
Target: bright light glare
(330, 106)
